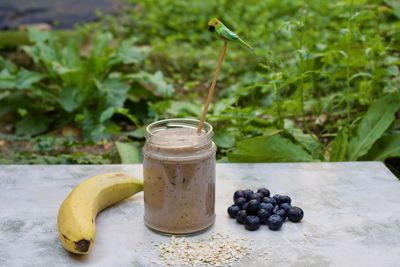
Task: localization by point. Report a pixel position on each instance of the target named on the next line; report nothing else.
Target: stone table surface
(352, 216)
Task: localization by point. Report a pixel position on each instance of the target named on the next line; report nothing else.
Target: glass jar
(179, 176)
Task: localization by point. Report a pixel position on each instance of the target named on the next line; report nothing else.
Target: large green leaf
(12, 102)
(386, 147)
(99, 58)
(115, 92)
(127, 53)
(107, 114)
(308, 141)
(92, 130)
(129, 152)
(339, 146)
(7, 80)
(268, 149)
(224, 138)
(161, 86)
(43, 49)
(375, 122)
(70, 98)
(125, 112)
(395, 4)
(25, 79)
(7, 65)
(153, 82)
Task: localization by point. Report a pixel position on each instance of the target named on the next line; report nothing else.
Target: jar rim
(170, 142)
(178, 123)
(175, 146)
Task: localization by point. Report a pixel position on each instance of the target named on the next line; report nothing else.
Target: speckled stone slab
(352, 216)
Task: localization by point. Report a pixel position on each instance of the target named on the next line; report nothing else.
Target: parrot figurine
(215, 25)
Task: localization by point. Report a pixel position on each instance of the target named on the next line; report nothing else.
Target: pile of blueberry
(253, 209)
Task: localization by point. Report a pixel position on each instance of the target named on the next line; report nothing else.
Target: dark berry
(232, 210)
(269, 200)
(295, 214)
(281, 212)
(264, 215)
(248, 193)
(240, 201)
(264, 192)
(274, 222)
(256, 196)
(266, 206)
(285, 206)
(252, 223)
(285, 199)
(277, 198)
(245, 205)
(240, 216)
(237, 194)
(253, 207)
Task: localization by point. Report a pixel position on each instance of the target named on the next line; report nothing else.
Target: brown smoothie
(179, 181)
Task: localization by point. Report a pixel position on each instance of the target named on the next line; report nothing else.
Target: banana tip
(82, 245)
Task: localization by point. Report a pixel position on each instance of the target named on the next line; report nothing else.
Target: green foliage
(77, 81)
(386, 147)
(329, 59)
(129, 152)
(372, 126)
(52, 150)
(268, 149)
(340, 146)
(321, 84)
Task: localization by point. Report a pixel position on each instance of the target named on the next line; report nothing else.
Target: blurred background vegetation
(323, 83)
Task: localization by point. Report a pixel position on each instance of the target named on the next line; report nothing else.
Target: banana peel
(77, 214)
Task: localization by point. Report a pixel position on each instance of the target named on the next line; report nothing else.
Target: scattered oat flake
(216, 250)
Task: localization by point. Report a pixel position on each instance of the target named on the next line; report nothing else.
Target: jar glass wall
(179, 176)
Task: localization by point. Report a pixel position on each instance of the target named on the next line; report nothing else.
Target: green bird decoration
(227, 35)
(215, 25)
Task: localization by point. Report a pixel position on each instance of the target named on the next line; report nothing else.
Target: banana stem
(212, 87)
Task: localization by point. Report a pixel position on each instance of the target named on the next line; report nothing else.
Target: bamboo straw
(212, 87)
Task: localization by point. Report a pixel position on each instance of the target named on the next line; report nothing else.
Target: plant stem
(348, 88)
(212, 87)
(303, 113)
(278, 106)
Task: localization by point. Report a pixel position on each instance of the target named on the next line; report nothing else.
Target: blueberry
(280, 212)
(237, 194)
(240, 216)
(252, 223)
(232, 210)
(253, 207)
(269, 200)
(285, 199)
(295, 214)
(256, 196)
(264, 215)
(248, 193)
(274, 222)
(266, 206)
(285, 206)
(277, 198)
(240, 201)
(264, 192)
(245, 205)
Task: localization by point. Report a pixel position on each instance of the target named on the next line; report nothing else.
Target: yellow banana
(77, 214)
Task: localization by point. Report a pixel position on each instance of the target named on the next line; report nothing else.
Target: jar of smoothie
(179, 176)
